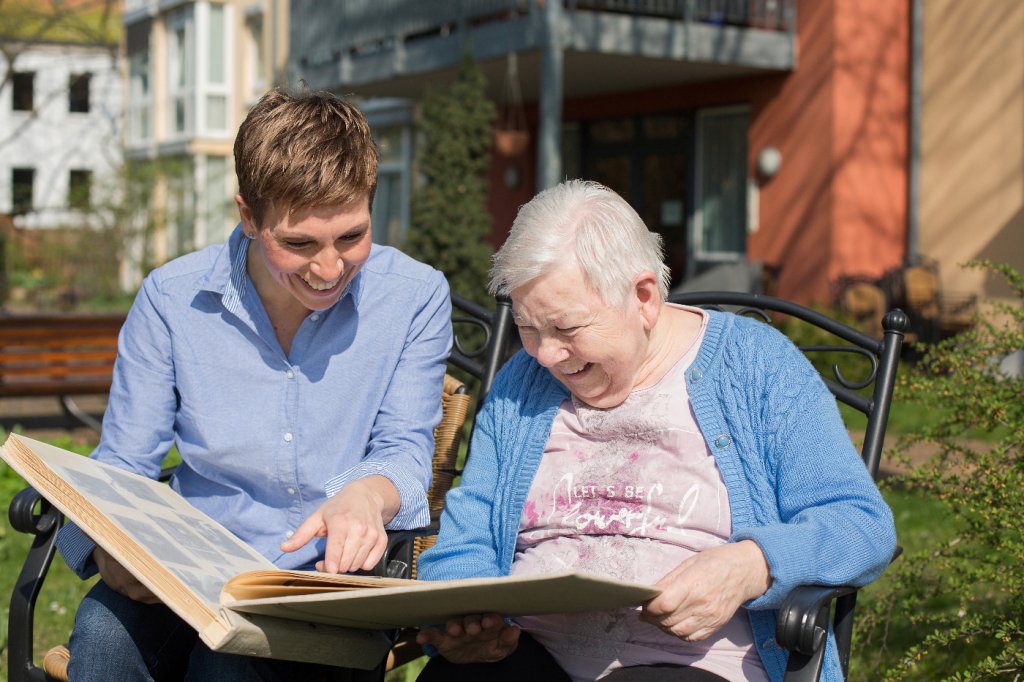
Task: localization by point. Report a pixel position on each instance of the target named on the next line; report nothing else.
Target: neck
(285, 312)
(671, 335)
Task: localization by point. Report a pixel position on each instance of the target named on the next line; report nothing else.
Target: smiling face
(312, 254)
(600, 352)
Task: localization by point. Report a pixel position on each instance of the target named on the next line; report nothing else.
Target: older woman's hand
(473, 639)
(702, 593)
(353, 521)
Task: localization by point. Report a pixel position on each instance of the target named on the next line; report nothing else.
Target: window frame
(23, 90)
(80, 190)
(19, 204)
(78, 100)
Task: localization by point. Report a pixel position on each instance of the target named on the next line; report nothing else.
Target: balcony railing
(363, 27)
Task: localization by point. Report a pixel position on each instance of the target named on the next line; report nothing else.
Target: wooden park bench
(60, 356)
(809, 613)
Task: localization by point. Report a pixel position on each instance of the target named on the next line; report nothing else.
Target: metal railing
(368, 26)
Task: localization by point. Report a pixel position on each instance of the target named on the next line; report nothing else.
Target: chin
(602, 401)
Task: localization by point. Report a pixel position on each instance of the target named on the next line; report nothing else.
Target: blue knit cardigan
(796, 485)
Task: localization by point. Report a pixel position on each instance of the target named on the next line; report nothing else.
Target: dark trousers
(531, 662)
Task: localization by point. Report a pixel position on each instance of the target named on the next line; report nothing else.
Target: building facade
(971, 172)
(193, 71)
(769, 135)
(60, 130)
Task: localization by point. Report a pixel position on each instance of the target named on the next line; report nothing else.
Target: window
(256, 57)
(180, 69)
(216, 69)
(78, 93)
(390, 216)
(216, 216)
(80, 189)
(22, 86)
(22, 180)
(139, 118)
(721, 220)
(140, 96)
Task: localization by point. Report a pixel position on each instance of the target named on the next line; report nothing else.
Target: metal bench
(810, 611)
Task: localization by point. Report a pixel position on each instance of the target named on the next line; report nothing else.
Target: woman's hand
(473, 639)
(353, 521)
(702, 593)
(120, 580)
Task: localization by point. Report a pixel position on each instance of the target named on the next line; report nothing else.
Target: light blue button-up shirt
(266, 437)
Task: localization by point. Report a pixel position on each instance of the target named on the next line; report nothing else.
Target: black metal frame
(803, 620)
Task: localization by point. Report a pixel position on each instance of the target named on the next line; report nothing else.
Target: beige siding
(972, 139)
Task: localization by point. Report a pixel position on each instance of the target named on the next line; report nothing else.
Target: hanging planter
(510, 134)
(511, 142)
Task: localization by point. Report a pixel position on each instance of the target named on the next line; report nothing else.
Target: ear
(647, 296)
(245, 213)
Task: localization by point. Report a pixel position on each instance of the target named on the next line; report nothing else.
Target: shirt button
(290, 374)
(314, 317)
(291, 491)
(723, 441)
(287, 438)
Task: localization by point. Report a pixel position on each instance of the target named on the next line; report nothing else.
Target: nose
(327, 265)
(551, 351)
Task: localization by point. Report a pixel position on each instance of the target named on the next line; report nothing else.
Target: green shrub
(955, 609)
(450, 221)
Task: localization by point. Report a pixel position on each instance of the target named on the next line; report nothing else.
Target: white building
(60, 131)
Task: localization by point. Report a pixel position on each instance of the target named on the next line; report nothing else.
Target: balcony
(397, 48)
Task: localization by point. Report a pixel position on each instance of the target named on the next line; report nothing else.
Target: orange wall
(871, 101)
(794, 235)
(838, 206)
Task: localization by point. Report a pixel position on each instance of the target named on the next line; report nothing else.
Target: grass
(60, 593)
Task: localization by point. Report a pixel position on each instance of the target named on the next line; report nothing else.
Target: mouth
(322, 287)
(577, 372)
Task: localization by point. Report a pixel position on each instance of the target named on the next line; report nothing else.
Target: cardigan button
(696, 375)
(723, 441)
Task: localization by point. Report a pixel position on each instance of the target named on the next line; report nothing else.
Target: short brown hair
(303, 151)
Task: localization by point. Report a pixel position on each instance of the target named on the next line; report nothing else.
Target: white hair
(587, 221)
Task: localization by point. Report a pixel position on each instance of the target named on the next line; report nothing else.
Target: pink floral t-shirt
(629, 492)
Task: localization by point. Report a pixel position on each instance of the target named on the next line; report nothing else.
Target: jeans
(117, 638)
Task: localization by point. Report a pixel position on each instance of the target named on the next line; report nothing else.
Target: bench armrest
(803, 620)
(803, 623)
(400, 554)
(21, 618)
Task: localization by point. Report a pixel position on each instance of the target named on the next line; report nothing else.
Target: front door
(646, 160)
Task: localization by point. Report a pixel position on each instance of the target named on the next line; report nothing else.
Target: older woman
(297, 368)
(653, 443)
